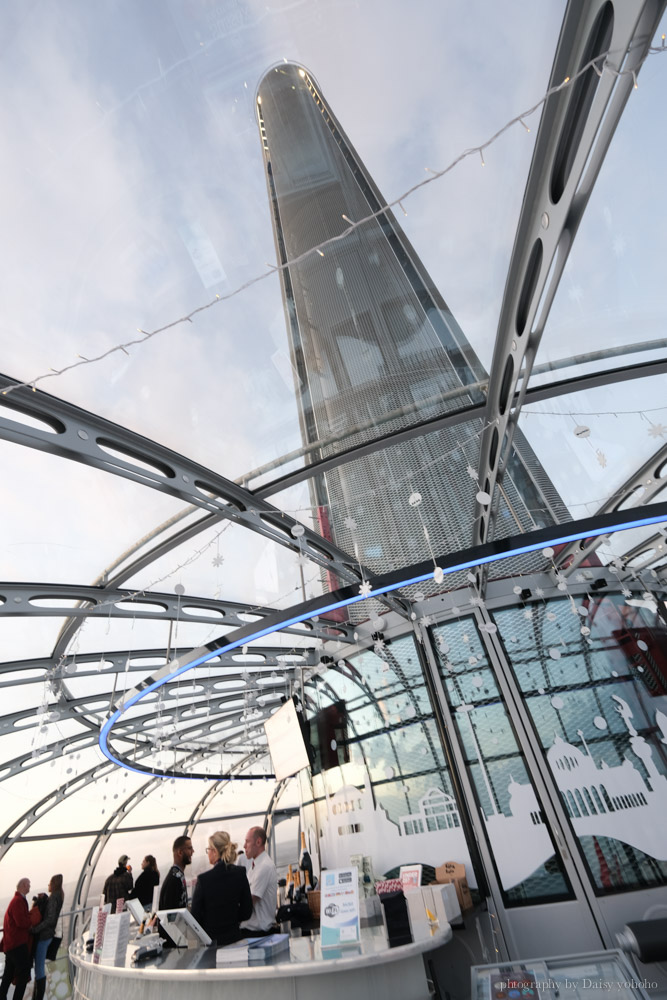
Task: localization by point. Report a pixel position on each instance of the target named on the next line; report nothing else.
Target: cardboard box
(453, 872)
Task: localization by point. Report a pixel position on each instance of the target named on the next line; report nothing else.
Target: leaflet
(339, 907)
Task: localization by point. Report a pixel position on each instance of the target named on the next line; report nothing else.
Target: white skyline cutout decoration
(602, 801)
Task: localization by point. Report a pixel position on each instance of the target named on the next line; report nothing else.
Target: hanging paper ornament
(365, 588)
(657, 430)
(415, 499)
(581, 431)
(482, 498)
(297, 530)
(548, 552)
(473, 473)
(350, 524)
(438, 575)
(602, 458)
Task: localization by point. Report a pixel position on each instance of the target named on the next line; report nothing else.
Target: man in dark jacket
(174, 891)
(16, 934)
(119, 885)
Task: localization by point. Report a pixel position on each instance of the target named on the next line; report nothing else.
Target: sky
(134, 193)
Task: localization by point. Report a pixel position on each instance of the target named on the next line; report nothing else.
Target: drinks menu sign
(339, 907)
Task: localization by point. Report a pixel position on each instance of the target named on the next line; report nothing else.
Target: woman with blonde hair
(222, 895)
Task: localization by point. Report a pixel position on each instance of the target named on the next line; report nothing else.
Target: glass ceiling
(138, 231)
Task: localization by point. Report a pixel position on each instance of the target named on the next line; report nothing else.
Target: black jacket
(117, 886)
(174, 891)
(45, 930)
(221, 901)
(143, 887)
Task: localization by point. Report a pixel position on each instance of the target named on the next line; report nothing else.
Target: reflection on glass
(506, 798)
(594, 678)
(390, 795)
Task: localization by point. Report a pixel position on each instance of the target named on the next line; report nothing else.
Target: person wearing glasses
(222, 895)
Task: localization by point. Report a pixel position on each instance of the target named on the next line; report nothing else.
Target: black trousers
(17, 963)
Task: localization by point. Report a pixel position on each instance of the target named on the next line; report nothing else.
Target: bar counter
(369, 971)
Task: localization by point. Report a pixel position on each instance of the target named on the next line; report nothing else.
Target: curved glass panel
(593, 676)
(381, 786)
(508, 803)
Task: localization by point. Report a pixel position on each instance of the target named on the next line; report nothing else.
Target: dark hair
(57, 883)
(152, 864)
(180, 842)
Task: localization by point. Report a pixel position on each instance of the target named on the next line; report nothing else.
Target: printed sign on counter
(410, 876)
(339, 907)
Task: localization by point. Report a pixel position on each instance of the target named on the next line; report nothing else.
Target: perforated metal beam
(577, 125)
(646, 482)
(20, 600)
(81, 436)
(123, 661)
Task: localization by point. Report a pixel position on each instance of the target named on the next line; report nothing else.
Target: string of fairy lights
(601, 64)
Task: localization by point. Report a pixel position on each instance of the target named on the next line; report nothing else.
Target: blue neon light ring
(480, 555)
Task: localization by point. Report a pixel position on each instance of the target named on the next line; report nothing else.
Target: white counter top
(367, 970)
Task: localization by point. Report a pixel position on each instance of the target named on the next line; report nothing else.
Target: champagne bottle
(305, 862)
(290, 884)
(297, 886)
(306, 878)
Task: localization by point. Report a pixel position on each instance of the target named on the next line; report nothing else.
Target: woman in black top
(222, 895)
(146, 882)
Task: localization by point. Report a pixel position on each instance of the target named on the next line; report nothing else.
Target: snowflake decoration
(426, 621)
(350, 524)
(528, 613)
(365, 588)
(539, 592)
(476, 601)
(626, 592)
(218, 561)
(379, 647)
(473, 473)
(657, 430)
(602, 458)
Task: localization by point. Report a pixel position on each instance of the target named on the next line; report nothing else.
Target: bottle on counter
(307, 887)
(298, 892)
(290, 885)
(305, 861)
(282, 895)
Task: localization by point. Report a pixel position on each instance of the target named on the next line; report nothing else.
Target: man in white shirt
(263, 879)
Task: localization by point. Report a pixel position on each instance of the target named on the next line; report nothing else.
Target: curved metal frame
(547, 226)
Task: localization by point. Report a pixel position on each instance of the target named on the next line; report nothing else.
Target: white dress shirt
(263, 879)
